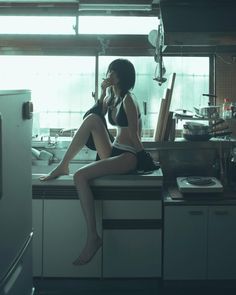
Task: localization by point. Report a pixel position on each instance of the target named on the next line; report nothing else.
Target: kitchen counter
(172, 196)
(128, 186)
(153, 179)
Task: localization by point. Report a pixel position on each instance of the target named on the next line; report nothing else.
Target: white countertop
(154, 179)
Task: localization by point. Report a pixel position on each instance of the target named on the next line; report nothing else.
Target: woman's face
(112, 76)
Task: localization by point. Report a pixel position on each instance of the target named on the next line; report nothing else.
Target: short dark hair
(125, 72)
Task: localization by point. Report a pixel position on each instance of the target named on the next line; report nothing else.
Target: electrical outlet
(233, 58)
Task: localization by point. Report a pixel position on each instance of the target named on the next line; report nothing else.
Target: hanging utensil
(156, 38)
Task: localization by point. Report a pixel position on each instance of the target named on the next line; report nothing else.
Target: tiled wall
(225, 77)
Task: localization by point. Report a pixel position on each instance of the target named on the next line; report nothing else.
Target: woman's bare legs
(92, 124)
(116, 165)
(87, 204)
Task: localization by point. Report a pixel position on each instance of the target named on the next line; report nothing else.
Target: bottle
(227, 109)
(234, 110)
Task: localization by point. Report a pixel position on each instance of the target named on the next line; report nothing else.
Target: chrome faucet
(71, 130)
(233, 155)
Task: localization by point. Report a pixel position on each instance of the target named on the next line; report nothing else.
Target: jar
(227, 109)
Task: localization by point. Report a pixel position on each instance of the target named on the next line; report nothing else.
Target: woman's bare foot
(89, 251)
(58, 171)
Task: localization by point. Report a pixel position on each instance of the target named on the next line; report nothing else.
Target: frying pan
(205, 137)
(200, 132)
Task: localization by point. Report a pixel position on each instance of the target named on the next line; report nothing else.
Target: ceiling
(202, 22)
(71, 7)
(185, 22)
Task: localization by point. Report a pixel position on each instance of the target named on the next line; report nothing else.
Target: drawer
(122, 209)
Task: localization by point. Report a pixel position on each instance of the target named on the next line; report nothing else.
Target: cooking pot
(195, 128)
(208, 111)
(196, 131)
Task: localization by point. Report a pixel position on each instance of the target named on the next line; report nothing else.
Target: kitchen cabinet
(199, 242)
(222, 242)
(37, 216)
(64, 238)
(129, 220)
(185, 242)
(132, 239)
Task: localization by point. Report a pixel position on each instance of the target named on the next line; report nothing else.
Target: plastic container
(227, 109)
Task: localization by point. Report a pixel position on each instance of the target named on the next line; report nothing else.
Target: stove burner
(199, 180)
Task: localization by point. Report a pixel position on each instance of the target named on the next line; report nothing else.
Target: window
(62, 86)
(37, 25)
(117, 25)
(86, 25)
(192, 80)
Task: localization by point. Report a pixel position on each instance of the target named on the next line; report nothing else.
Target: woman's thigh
(121, 164)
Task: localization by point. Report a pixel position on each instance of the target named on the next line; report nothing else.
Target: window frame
(96, 45)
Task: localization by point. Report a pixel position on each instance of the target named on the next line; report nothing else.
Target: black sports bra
(120, 118)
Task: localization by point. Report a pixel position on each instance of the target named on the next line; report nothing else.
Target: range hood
(198, 23)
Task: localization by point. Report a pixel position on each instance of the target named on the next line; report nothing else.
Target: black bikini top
(120, 117)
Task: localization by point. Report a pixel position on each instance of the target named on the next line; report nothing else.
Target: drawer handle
(196, 212)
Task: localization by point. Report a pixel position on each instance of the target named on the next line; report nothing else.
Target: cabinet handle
(221, 212)
(195, 212)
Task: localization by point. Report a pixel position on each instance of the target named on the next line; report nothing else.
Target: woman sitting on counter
(123, 155)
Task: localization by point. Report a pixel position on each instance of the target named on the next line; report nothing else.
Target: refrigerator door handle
(27, 110)
(10, 283)
(1, 170)
(16, 268)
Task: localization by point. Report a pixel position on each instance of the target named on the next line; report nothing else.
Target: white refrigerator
(15, 193)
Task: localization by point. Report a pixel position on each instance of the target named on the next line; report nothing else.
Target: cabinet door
(132, 253)
(65, 237)
(185, 242)
(132, 238)
(222, 242)
(37, 214)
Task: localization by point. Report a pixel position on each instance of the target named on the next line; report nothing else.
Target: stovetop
(199, 184)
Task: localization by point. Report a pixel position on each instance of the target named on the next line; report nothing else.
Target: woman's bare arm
(133, 126)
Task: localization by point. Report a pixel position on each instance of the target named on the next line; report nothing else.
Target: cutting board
(161, 118)
(161, 127)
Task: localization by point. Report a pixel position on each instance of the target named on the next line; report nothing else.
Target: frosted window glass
(62, 86)
(192, 80)
(117, 25)
(37, 25)
(87, 25)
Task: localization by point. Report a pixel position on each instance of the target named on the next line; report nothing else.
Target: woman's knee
(79, 177)
(93, 121)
